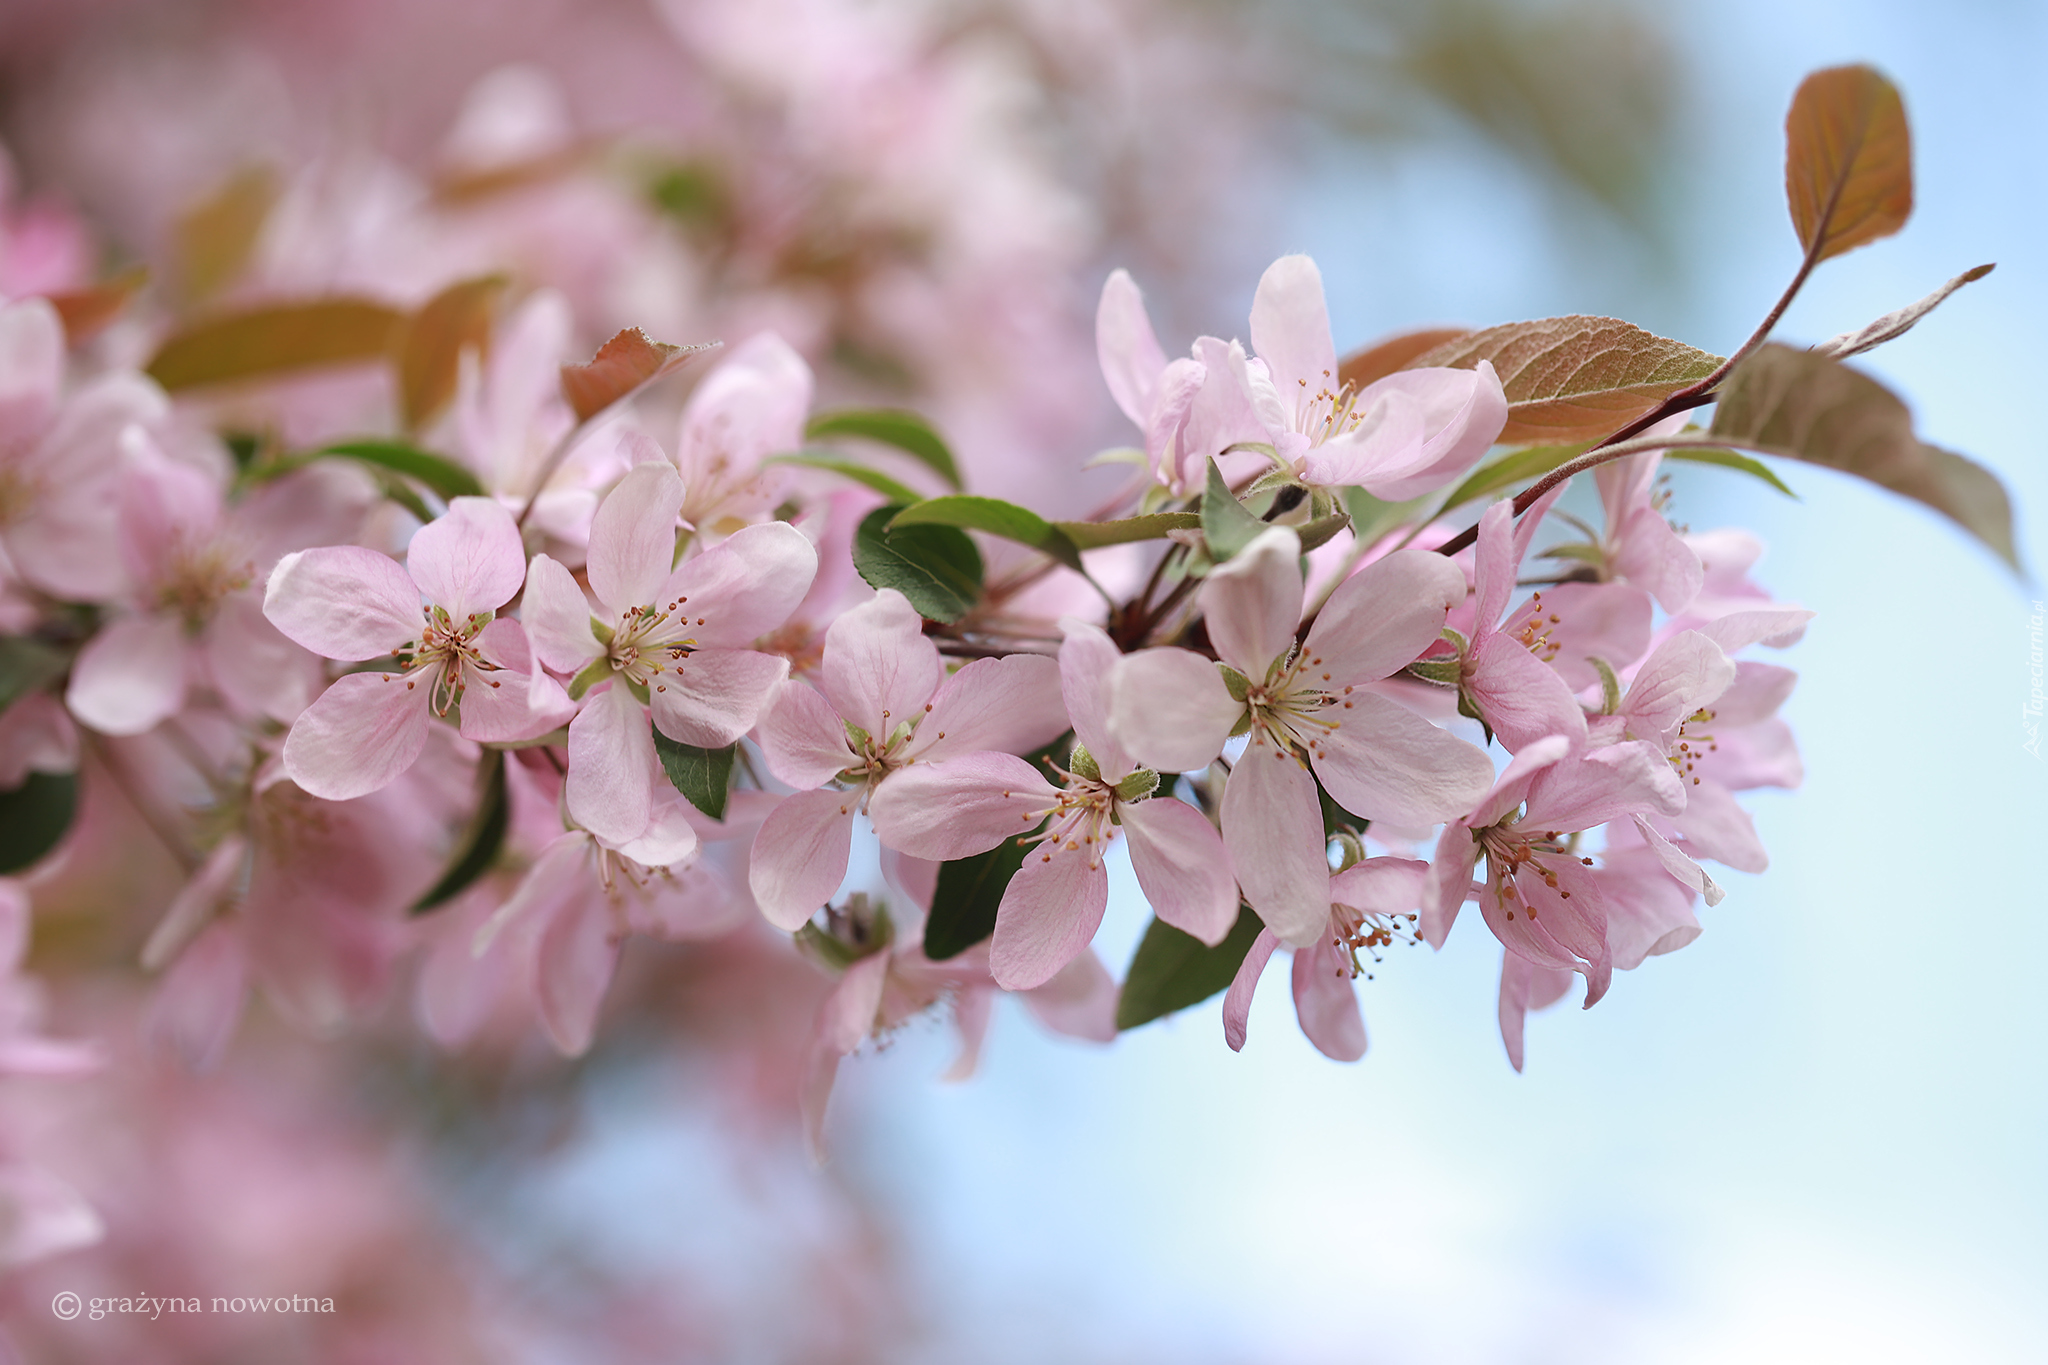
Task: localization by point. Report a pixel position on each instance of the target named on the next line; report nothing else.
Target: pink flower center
(442, 656)
(1358, 931)
(1081, 820)
(647, 642)
(1512, 853)
(1289, 708)
(1692, 745)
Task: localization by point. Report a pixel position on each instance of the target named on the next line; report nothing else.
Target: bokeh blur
(1816, 1134)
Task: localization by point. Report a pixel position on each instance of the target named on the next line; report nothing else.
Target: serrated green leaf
(851, 469)
(1226, 525)
(905, 430)
(34, 818)
(1807, 407)
(444, 476)
(25, 666)
(482, 841)
(704, 776)
(1511, 469)
(997, 518)
(1730, 459)
(1087, 535)
(1172, 970)
(936, 567)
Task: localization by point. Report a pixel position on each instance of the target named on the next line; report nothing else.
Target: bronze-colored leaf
(621, 366)
(214, 238)
(1378, 361)
(86, 312)
(262, 342)
(430, 349)
(464, 186)
(1575, 378)
(1848, 160)
(1899, 321)
(1808, 407)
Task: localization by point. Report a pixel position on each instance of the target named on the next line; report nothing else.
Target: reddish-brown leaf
(214, 238)
(1575, 378)
(87, 311)
(430, 349)
(1378, 361)
(1807, 407)
(262, 342)
(620, 366)
(1848, 160)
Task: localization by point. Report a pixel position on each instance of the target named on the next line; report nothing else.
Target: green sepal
(1082, 764)
(1610, 686)
(594, 672)
(1137, 786)
(1234, 682)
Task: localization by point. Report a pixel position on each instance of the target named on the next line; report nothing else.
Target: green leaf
(34, 817)
(277, 339)
(1226, 525)
(997, 518)
(964, 904)
(444, 476)
(1729, 459)
(1511, 469)
(1807, 407)
(1371, 518)
(1172, 970)
(1575, 378)
(906, 431)
(702, 775)
(482, 841)
(25, 666)
(1087, 535)
(936, 567)
(852, 469)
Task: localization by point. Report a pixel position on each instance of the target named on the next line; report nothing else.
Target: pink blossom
(883, 702)
(1540, 899)
(960, 806)
(1372, 905)
(751, 405)
(669, 639)
(1402, 436)
(885, 980)
(58, 454)
(1640, 546)
(1312, 701)
(345, 602)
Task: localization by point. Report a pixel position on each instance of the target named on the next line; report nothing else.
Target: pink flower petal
(633, 537)
(1237, 1001)
(343, 602)
(1325, 1002)
(468, 559)
(32, 371)
(557, 617)
(1384, 886)
(1291, 330)
(1047, 916)
(1525, 986)
(1450, 882)
(1170, 710)
(1012, 704)
(1681, 675)
(743, 587)
(200, 999)
(611, 761)
(879, 669)
(1253, 603)
(498, 705)
(1520, 696)
(1384, 762)
(1181, 866)
(1608, 621)
(577, 955)
(802, 738)
(961, 807)
(130, 676)
(1079, 1001)
(166, 507)
(254, 666)
(1460, 414)
(1381, 618)
(1087, 658)
(845, 1019)
(1273, 827)
(360, 735)
(800, 856)
(1127, 348)
(714, 696)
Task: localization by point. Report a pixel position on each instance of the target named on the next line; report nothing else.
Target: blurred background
(1814, 1134)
